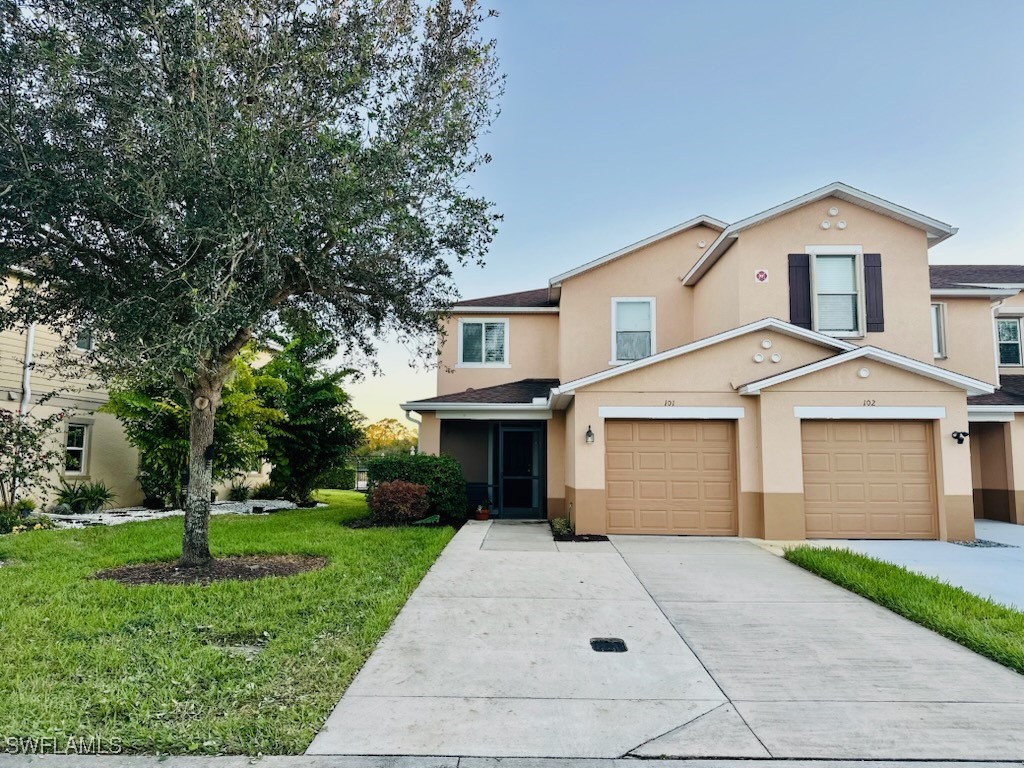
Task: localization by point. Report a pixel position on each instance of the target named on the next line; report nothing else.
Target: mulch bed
(221, 569)
(579, 537)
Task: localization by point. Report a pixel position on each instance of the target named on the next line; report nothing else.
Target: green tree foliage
(176, 173)
(156, 421)
(321, 428)
(387, 436)
(28, 454)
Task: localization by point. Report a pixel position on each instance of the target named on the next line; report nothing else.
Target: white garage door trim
(859, 413)
(666, 412)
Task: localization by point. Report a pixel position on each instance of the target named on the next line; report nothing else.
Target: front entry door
(520, 463)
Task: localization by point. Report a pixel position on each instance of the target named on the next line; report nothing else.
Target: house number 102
(869, 402)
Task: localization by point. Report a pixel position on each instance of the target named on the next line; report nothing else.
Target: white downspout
(418, 423)
(26, 368)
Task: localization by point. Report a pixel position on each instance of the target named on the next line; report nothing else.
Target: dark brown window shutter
(875, 319)
(800, 290)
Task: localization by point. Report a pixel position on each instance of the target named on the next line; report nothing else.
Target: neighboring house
(801, 373)
(93, 443)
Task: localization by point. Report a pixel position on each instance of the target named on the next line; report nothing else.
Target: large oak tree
(174, 173)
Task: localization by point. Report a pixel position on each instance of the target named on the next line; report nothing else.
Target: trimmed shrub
(397, 502)
(446, 490)
(342, 479)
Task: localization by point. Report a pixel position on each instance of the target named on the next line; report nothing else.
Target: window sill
(841, 334)
(483, 365)
(626, 362)
(940, 357)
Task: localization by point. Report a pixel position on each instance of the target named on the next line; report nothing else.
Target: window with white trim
(483, 342)
(83, 340)
(1008, 335)
(75, 448)
(632, 329)
(837, 304)
(938, 330)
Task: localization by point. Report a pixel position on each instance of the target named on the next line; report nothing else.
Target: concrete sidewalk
(732, 653)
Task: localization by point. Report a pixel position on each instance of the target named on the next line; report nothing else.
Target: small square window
(83, 340)
(483, 342)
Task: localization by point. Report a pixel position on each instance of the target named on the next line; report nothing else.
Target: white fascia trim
(937, 231)
(457, 310)
(504, 413)
(768, 323)
(993, 413)
(706, 221)
(669, 412)
(971, 386)
(859, 412)
(1002, 293)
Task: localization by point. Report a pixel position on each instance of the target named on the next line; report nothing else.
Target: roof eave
(703, 220)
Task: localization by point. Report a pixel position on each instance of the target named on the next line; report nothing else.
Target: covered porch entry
(503, 461)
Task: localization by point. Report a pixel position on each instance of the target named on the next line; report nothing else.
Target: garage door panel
(680, 478)
(651, 460)
(650, 432)
(869, 479)
(848, 462)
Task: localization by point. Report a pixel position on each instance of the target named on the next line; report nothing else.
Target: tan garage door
(675, 477)
(869, 479)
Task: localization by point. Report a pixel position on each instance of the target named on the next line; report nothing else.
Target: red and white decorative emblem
(761, 276)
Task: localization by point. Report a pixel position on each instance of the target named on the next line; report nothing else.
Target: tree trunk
(195, 543)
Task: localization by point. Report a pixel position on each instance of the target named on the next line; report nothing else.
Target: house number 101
(670, 403)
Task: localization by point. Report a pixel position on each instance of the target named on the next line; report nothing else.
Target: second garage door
(675, 477)
(869, 479)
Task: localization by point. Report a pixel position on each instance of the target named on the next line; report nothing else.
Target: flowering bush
(397, 502)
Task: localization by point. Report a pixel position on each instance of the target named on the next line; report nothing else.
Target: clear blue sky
(622, 118)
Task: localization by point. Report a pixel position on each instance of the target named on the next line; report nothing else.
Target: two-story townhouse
(802, 373)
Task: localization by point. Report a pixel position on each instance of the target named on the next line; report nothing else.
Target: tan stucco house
(802, 373)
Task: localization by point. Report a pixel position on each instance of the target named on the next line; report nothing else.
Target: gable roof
(703, 220)
(538, 300)
(936, 230)
(976, 275)
(522, 392)
(972, 386)
(769, 323)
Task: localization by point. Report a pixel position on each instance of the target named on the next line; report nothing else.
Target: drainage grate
(608, 645)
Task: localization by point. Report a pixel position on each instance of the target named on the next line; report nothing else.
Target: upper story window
(1008, 335)
(483, 343)
(83, 340)
(938, 330)
(837, 301)
(74, 451)
(632, 329)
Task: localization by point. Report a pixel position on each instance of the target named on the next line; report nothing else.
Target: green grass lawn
(151, 665)
(983, 626)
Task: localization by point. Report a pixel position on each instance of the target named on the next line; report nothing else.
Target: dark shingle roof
(515, 392)
(964, 275)
(1011, 392)
(536, 298)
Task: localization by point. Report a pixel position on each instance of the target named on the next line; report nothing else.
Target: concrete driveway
(732, 652)
(993, 572)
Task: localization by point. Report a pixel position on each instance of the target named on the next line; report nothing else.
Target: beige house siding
(532, 344)
(767, 246)
(970, 344)
(585, 327)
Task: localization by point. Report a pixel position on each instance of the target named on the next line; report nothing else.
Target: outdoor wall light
(960, 437)
(590, 435)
